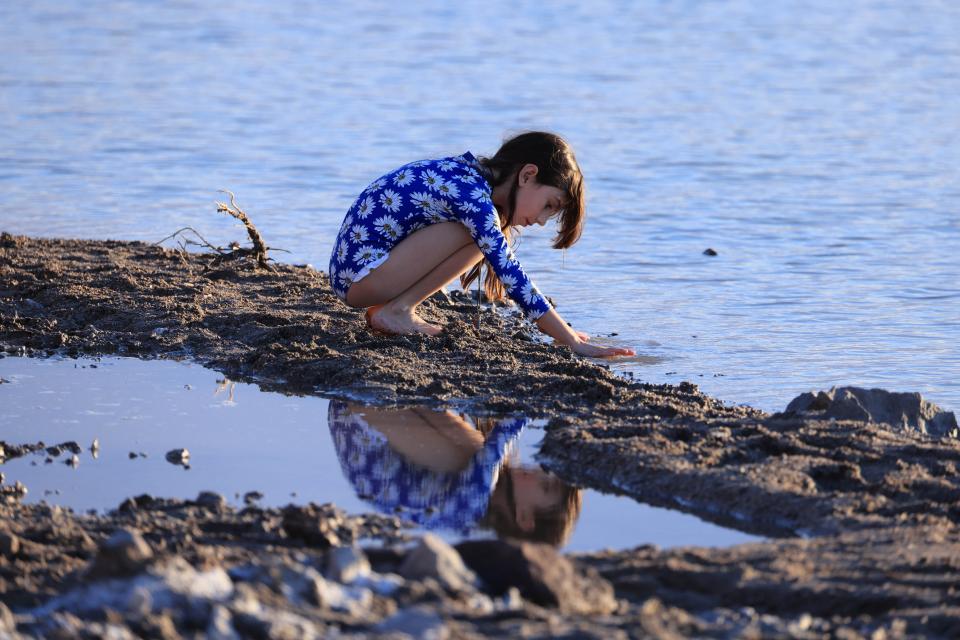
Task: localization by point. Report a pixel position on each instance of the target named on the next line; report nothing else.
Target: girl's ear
(527, 173)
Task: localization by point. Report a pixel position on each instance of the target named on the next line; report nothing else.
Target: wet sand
(867, 513)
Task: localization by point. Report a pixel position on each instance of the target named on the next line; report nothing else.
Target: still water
(460, 476)
(814, 145)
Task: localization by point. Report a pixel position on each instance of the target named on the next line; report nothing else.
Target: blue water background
(814, 145)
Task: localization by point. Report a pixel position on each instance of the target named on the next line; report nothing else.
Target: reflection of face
(534, 490)
(536, 203)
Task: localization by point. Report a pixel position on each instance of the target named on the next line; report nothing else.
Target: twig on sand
(184, 242)
(233, 251)
(259, 251)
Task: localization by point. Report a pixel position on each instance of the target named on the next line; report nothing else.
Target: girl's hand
(584, 337)
(596, 351)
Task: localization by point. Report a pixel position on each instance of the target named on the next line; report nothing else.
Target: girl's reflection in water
(442, 472)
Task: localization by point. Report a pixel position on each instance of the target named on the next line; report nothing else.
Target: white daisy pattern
(346, 277)
(486, 243)
(359, 233)
(431, 179)
(467, 178)
(479, 194)
(388, 227)
(391, 200)
(376, 185)
(365, 254)
(418, 195)
(422, 200)
(448, 189)
(403, 177)
(492, 222)
(365, 207)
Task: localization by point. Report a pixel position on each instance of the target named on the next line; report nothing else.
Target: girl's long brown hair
(556, 167)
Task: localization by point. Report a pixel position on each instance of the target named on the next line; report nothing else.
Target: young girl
(417, 228)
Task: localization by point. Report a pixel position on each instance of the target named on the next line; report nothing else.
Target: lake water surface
(814, 145)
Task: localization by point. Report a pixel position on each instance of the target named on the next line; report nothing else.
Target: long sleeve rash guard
(414, 196)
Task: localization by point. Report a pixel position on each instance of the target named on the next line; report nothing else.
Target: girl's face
(536, 203)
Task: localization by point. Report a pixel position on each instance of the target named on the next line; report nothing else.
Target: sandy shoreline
(882, 504)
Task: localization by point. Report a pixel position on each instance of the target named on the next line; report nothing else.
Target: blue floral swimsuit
(419, 194)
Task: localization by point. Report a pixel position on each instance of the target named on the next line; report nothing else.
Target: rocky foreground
(866, 509)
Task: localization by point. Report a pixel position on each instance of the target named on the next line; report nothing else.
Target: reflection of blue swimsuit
(431, 499)
(417, 195)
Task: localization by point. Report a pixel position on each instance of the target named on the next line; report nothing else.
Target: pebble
(123, 552)
(211, 500)
(417, 622)
(346, 564)
(434, 558)
(220, 626)
(709, 252)
(250, 497)
(178, 456)
(9, 545)
(7, 623)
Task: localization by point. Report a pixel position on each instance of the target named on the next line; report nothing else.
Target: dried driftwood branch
(259, 250)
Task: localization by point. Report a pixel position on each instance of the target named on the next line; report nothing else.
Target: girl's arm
(553, 325)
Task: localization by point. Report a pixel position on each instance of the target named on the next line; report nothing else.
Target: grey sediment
(865, 515)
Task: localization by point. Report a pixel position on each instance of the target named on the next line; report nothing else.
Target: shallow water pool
(293, 449)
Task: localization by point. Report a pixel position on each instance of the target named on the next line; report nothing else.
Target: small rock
(122, 554)
(709, 252)
(328, 594)
(434, 558)
(542, 575)
(346, 564)
(311, 525)
(73, 461)
(211, 500)
(178, 456)
(903, 411)
(220, 626)
(12, 494)
(7, 623)
(132, 455)
(9, 544)
(417, 622)
(252, 497)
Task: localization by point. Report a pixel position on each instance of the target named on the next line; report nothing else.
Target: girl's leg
(418, 266)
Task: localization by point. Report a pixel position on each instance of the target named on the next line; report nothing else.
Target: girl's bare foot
(390, 319)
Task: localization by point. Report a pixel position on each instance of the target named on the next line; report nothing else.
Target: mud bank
(885, 503)
(168, 568)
